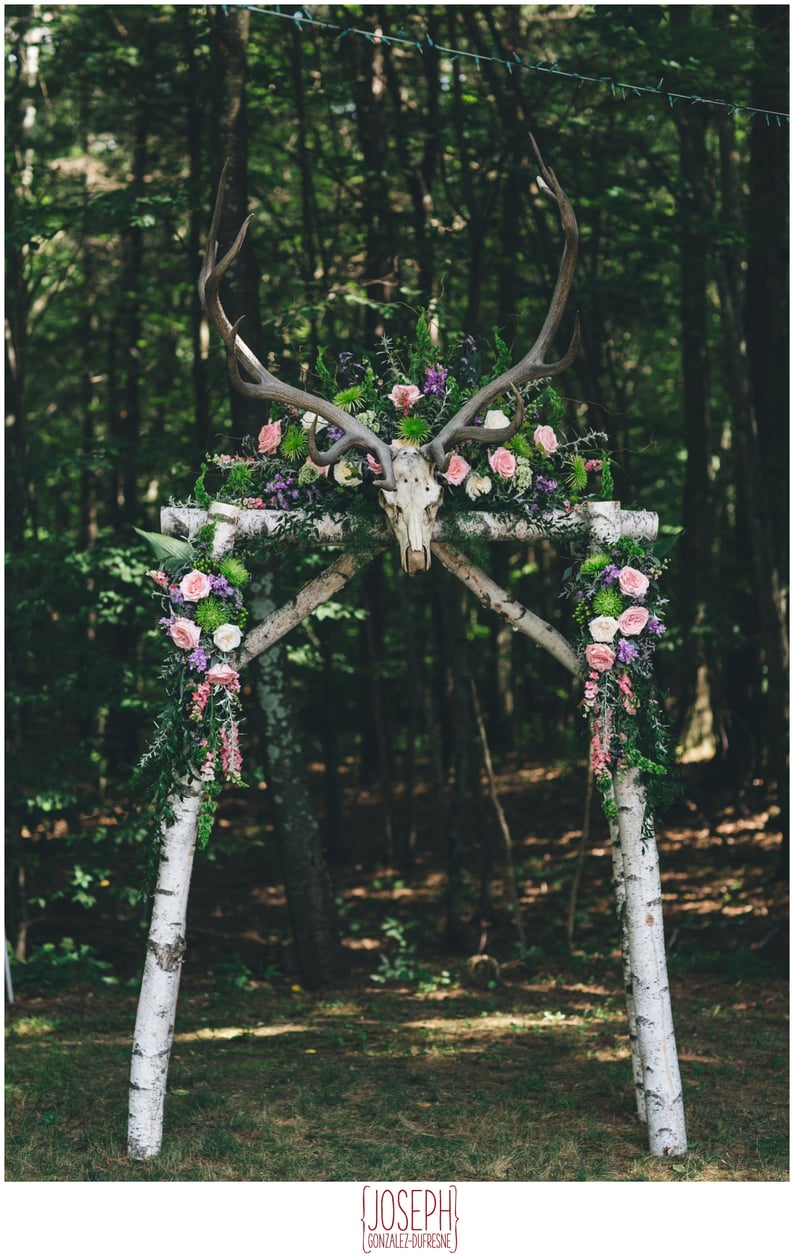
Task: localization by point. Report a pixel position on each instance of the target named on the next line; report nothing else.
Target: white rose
(310, 418)
(477, 485)
(227, 637)
(603, 628)
(346, 473)
(495, 419)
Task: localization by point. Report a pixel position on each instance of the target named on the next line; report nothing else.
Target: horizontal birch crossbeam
(489, 526)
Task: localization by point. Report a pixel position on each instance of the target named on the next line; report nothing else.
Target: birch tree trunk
(647, 986)
(165, 949)
(619, 881)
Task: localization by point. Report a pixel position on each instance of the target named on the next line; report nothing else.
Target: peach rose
(633, 620)
(222, 675)
(502, 462)
(457, 471)
(633, 583)
(184, 633)
(270, 438)
(546, 438)
(195, 586)
(598, 656)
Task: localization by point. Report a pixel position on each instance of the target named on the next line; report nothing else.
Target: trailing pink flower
(404, 396)
(184, 633)
(195, 586)
(373, 465)
(599, 756)
(207, 773)
(159, 578)
(201, 697)
(270, 437)
(231, 759)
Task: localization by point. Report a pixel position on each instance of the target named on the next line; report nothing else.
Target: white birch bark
(309, 597)
(331, 530)
(498, 600)
(647, 979)
(619, 880)
(165, 948)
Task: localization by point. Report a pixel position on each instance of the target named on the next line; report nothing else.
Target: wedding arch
(518, 480)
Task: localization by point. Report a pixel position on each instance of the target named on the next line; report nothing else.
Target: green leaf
(167, 549)
(663, 545)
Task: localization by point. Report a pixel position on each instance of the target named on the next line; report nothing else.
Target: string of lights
(303, 17)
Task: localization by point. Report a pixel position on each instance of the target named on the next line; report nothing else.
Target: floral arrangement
(203, 619)
(617, 604)
(407, 402)
(619, 610)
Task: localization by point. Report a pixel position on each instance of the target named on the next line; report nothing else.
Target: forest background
(386, 179)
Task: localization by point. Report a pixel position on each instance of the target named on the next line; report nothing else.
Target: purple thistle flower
(626, 652)
(656, 627)
(198, 660)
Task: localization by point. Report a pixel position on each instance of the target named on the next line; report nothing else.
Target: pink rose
(546, 438)
(633, 620)
(502, 462)
(598, 656)
(270, 438)
(223, 675)
(195, 586)
(633, 583)
(374, 465)
(457, 471)
(184, 633)
(404, 395)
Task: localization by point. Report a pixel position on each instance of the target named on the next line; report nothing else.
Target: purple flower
(609, 574)
(199, 660)
(435, 379)
(334, 433)
(656, 627)
(626, 652)
(175, 595)
(221, 587)
(545, 484)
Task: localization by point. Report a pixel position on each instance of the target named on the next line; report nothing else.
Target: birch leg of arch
(619, 881)
(647, 984)
(154, 1026)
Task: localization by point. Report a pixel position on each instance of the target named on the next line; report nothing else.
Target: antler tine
(487, 436)
(532, 365)
(266, 386)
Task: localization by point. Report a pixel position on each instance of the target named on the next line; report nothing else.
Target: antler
(532, 365)
(267, 387)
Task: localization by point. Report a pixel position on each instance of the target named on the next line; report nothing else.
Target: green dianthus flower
(210, 613)
(607, 603)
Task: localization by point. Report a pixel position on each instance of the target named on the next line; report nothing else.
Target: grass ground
(423, 1076)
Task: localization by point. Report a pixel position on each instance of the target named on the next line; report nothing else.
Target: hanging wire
(301, 17)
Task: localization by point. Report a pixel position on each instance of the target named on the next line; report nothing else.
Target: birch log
(648, 984)
(154, 1025)
(498, 600)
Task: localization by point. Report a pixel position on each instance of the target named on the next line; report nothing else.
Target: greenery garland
(617, 603)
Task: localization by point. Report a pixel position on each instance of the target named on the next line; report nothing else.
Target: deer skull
(411, 507)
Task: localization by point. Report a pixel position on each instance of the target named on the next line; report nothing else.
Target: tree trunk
(306, 882)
